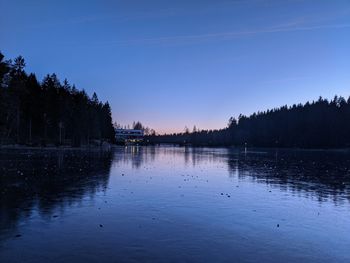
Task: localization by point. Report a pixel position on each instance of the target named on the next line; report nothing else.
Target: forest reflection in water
(187, 181)
(43, 180)
(324, 174)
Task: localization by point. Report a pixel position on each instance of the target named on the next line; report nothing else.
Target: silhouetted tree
(317, 124)
(48, 112)
(137, 126)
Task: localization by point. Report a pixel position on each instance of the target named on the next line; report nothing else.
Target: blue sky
(172, 64)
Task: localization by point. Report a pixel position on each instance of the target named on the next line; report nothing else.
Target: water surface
(174, 204)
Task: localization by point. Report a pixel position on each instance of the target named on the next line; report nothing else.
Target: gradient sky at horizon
(171, 64)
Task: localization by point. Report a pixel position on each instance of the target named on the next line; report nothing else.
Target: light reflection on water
(174, 204)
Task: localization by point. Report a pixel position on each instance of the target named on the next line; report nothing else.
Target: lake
(174, 204)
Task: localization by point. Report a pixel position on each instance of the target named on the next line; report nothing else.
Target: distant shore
(106, 146)
(249, 148)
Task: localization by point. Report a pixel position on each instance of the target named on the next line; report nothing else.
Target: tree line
(318, 124)
(48, 112)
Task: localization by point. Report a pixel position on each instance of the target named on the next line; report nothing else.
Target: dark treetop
(48, 112)
(320, 124)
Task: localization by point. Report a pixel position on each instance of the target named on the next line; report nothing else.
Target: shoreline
(57, 148)
(110, 146)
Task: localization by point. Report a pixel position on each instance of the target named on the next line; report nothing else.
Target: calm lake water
(174, 204)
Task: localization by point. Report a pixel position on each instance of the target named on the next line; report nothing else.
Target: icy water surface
(172, 204)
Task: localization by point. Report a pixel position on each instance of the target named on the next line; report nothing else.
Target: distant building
(129, 135)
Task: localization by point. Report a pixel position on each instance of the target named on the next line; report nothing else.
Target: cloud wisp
(195, 38)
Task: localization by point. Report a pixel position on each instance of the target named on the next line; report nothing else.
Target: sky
(171, 64)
